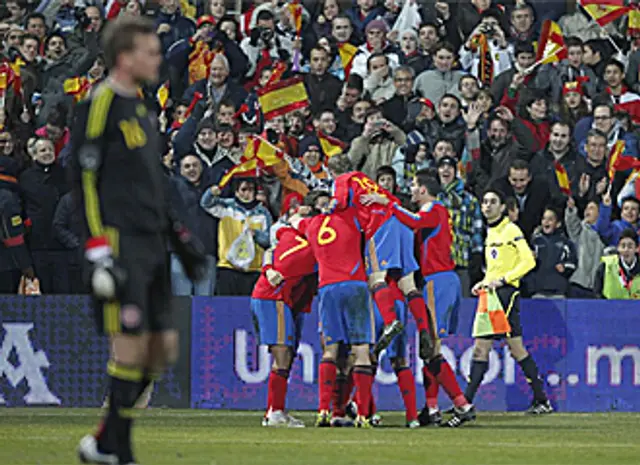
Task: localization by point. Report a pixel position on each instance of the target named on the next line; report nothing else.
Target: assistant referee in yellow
(508, 259)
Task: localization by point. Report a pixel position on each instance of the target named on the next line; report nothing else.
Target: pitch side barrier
(588, 352)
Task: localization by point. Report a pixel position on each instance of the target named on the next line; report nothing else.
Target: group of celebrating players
(364, 245)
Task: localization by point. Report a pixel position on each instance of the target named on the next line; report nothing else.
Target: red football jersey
(336, 242)
(432, 225)
(294, 260)
(349, 187)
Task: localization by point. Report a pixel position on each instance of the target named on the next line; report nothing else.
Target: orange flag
(563, 178)
(551, 46)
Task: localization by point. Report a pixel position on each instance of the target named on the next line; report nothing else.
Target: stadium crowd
(537, 98)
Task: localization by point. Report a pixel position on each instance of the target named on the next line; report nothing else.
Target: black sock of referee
(478, 369)
(125, 389)
(530, 370)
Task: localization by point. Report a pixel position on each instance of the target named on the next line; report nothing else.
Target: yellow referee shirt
(507, 253)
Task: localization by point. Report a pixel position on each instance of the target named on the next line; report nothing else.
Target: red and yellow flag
(330, 145)
(78, 87)
(551, 46)
(347, 54)
(296, 15)
(16, 74)
(258, 154)
(163, 95)
(283, 97)
(604, 11)
(563, 178)
(616, 152)
(187, 9)
(633, 26)
(625, 163)
(278, 71)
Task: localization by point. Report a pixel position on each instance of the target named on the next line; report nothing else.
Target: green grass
(163, 437)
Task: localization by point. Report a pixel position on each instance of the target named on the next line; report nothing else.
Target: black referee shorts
(510, 298)
(145, 303)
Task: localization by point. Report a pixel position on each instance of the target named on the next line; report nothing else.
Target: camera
(81, 16)
(488, 29)
(266, 34)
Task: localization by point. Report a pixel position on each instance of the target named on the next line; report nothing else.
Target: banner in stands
(51, 354)
(587, 351)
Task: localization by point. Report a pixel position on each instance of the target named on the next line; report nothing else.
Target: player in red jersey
(434, 237)
(389, 249)
(335, 240)
(279, 301)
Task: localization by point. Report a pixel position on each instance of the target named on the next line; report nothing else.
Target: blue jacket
(187, 197)
(551, 250)
(181, 28)
(610, 231)
(233, 92)
(360, 24)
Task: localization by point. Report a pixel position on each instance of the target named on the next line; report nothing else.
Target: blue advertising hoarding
(587, 351)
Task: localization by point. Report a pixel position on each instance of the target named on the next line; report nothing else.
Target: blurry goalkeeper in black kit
(117, 166)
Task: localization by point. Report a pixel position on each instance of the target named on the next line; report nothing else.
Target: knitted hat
(377, 24)
(447, 160)
(206, 123)
(307, 143)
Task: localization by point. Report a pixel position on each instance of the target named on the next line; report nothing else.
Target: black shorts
(145, 302)
(510, 298)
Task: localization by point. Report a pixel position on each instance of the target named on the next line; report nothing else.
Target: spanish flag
(78, 87)
(330, 145)
(347, 54)
(551, 46)
(258, 154)
(278, 71)
(633, 26)
(625, 163)
(163, 95)
(296, 15)
(16, 74)
(616, 151)
(604, 11)
(4, 77)
(283, 97)
(563, 178)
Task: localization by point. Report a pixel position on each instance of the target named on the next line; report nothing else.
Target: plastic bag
(409, 17)
(243, 249)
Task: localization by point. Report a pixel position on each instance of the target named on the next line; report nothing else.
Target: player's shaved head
(428, 178)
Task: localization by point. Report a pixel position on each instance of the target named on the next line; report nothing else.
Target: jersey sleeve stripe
(91, 203)
(98, 113)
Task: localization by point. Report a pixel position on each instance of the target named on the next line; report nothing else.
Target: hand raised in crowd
(472, 114)
(443, 10)
(500, 37)
(606, 197)
(163, 28)
(504, 113)
(215, 191)
(517, 81)
(571, 203)
(583, 185)
(601, 186)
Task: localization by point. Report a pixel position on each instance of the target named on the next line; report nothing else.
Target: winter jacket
(554, 77)
(359, 65)
(367, 154)
(232, 91)
(470, 60)
(589, 246)
(67, 226)
(359, 22)
(542, 166)
(181, 28)
(551, 250)
(42, 187)
(14, 254)
(323, 91)
(531, 204)
(379, 89)
(540, 130)
(433, 84)
(610, 231)
(396, 110)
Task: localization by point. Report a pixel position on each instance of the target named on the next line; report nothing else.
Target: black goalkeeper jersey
(116, 160)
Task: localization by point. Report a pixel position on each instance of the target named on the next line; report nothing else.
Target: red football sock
(348, 388)
(407, 387)
(100, 431)
(338, 404)
(430, 388)
(278, 388)
(418, 309)
(326, 381)
(384, 298)
(363, 380)
(447, 379)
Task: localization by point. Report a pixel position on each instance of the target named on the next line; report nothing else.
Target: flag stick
(530, 69)
(609, 38)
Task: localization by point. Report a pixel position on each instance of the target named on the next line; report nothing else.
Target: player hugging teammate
(364, 245)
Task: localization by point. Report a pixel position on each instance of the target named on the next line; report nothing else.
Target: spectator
(410, 159)
(378, 82)
(590, 248)
(355, 125)
(67, 230)
(559, 150)
(322, 26)
(14, 255)
(42, 187)
(187, 190)
(429, 37)
(17, 10)
(604, 121)
(323, 88)
(617, 275)
(36, 24)
(617, 91)
(435, 83)
(376, 35)
(342, 30)
(396, 108)
(525, 56)
(447, 124)
(265, 45)
(55, 129)
(290, 206)
(238, 214)
(533, 116)
(469, 90)
(172, 26)
(364, 13)
(593, 52)
(311, 154)
(376, 146)
(469, 15)
(594, 180)
(610, 231)
(522, 21)
(412, 56)
(574, 105)
(218, 87)
(532, 195)
(556, 259)
(466, 222)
